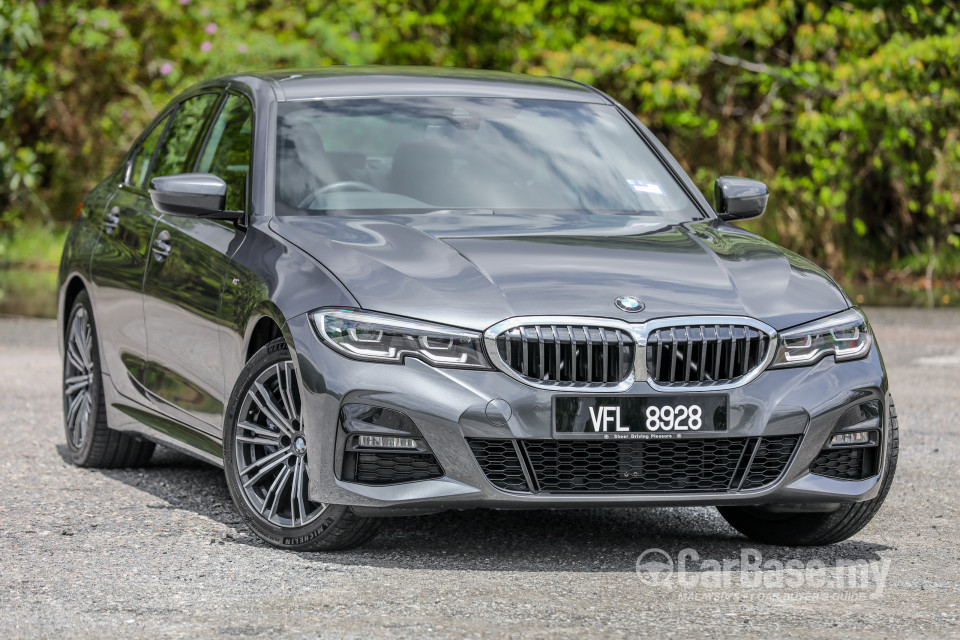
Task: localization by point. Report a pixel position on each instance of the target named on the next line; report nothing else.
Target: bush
(847, 110)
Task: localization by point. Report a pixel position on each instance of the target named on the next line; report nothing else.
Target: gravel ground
(159, 552)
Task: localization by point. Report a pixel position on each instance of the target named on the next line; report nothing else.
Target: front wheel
(808, 529)
(265, 453)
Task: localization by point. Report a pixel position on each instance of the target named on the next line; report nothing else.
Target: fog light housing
(852, 452)
(380, 446)
(856, 437)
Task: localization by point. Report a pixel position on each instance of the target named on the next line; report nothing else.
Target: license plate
(638, 417)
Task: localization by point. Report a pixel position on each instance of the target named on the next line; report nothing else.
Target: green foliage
(32, 247)
(848, 110)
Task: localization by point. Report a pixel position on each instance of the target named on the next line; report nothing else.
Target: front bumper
(449, 406)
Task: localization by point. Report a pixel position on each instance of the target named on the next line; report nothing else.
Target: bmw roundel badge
(629, 304)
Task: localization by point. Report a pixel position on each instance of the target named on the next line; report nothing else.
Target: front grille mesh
(693, 465)
(705, 353)
(499, 461)
(568, 353)
(772, 455)
(388, 467)
(604, 466)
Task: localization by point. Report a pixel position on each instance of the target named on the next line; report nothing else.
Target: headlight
(845, 335)
(382, 338)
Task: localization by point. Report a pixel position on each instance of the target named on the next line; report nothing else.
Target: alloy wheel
(271, 449)
(78, 378)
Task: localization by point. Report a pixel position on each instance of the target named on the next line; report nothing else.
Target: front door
(188, 264)
(182, 307)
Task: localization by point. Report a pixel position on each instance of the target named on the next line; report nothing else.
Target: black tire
(323, 527)
(90, 441)
(814, 529)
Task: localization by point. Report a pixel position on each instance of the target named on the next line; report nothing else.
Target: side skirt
(126, 415)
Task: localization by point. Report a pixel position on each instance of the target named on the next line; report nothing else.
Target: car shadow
(580, 540)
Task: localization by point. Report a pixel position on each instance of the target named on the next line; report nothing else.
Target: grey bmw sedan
(370, 292)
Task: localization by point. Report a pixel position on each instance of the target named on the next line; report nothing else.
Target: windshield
(408, 155)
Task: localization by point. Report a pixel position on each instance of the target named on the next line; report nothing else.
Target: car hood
(473, 270)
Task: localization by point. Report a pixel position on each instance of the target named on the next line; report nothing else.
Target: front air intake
(724, 465)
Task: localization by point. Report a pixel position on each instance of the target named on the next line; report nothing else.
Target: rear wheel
(809, 529)
(265, 453)
(90, 441)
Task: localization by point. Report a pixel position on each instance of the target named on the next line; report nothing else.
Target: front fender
(269, 278)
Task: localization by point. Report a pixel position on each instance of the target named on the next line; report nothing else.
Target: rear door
(189, 261)
(118, 266)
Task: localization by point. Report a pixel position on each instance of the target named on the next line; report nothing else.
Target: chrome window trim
(639, 331)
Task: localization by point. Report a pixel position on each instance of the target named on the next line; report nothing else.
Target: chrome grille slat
(526, 351)
(747, 348)
(703, 355)
(540, 362)
(586, 332)
(619, 350)
(673, 353)
(557, 375)
(719, 353)
(733, 352)
(603, 356)
(659, 352)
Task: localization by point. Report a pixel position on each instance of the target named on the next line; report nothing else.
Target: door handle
(111, 220)
(162, 246)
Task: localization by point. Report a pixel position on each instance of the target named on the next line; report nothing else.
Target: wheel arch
(74, 285)
(265, 325)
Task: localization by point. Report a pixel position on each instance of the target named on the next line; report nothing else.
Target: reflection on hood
(475, 269)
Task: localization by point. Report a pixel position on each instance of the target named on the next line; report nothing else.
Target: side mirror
(192, 195)
(740, 198)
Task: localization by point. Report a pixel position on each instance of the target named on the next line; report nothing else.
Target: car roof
(381, 81)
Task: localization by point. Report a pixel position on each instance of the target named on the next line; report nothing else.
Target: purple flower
(211, 28)
(184, 2)
(118, 33)
(166, 68)
(354, 35)
(242, 48)
(206, 46)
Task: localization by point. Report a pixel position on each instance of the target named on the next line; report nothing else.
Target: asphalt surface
(159, 552)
